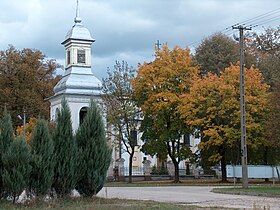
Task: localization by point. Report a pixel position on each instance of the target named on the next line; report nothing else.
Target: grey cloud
(123, 29)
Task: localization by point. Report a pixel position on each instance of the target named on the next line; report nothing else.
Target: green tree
(16, 168)
(94, 153)
(215, 53)
(153, 145)
(27, 78)
(272, 131)
(6, 138)
(158, 87)
(41, 177)
(265, 47)
(212, 106)
(65, 153)
(122, 113)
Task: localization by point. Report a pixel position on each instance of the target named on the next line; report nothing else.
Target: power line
(254, 22)
(268, 20)
(259, 17)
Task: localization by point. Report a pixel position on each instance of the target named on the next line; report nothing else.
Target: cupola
(77, 44)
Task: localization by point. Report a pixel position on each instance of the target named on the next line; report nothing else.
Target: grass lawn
(268, 191)
(96, 203)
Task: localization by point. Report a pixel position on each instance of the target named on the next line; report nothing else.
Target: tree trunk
(176, 170)
(120, 147)
(130, 165)
(265, 158)
(175, 162)
(223, 168)
(176, 166)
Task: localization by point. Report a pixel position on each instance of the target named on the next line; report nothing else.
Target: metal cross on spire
(157, 44)
(77, 18)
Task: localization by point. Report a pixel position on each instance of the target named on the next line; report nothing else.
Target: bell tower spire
(77, 44)
(78, 85)
(77, 18)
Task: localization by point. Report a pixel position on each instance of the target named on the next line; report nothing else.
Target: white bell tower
(78, 85)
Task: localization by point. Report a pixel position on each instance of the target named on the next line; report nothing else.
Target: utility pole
(24, 123)
(242, 107)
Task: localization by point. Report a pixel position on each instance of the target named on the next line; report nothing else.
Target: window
(82, 114)
(187, 139)
(68, 57)
(133, 137)
(81, 56)
(56, 113)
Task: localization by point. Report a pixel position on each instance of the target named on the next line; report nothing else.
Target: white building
(79, 85)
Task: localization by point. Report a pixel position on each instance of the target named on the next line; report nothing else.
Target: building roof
(78, 79)
(82, 83)
(78, 32)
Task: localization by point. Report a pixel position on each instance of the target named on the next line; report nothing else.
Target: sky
(126, 29)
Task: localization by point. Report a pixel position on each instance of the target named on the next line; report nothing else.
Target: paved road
(191, 195)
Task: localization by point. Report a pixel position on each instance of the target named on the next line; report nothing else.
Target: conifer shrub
(6, 137)
(94, 152)
(6, 128)
(65, 153)
(16, 168)
(1, 165)
(42, 149)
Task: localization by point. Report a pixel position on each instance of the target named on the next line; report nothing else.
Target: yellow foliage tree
(212, 106)
(29, 128)
(158, 87)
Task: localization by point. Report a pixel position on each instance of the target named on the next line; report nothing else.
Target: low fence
(254, 171)
(135, 171)
(233, 171)
(158, 174)
(140, 171)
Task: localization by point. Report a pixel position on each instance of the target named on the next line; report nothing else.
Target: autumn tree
(27, 78)
(65, 153)
(212, 106)
(95, 154)
(122, 112)
(30, 126)
(158, 87)
(215, 53)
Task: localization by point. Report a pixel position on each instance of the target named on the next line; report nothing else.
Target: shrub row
(56, 160)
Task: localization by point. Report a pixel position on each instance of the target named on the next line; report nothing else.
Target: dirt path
(191, 195)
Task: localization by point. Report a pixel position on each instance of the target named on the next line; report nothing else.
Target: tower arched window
(56, 113)
(81, 56)
(82, 114)
(68, 57)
